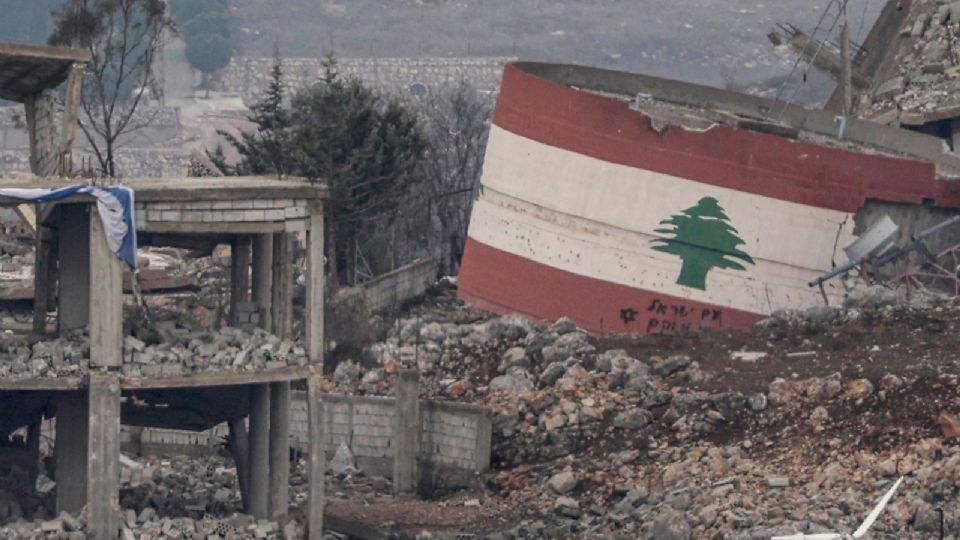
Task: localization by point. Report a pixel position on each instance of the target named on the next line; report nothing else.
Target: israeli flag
(115, 205)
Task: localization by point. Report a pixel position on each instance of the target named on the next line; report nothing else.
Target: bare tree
(432, 215)
(123, 37)
(456, 122)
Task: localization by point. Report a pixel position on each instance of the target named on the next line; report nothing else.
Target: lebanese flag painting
(587, 211)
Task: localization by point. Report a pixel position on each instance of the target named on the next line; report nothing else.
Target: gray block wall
(455, 437)
(454, 444)
(394, 288)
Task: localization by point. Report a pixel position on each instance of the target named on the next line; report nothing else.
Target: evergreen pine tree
(703, 238)
(365, 149)
(266, 150)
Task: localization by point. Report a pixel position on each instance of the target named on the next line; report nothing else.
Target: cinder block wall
(364, 423)
(454, 443)
(455, 438)
(394, 288)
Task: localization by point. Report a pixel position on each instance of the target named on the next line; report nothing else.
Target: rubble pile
(798, 425)
(12, 318)
(65, 356)
(16, 262)
(176, 498)
(183, 351)
(928, 71)
(19, 499)
(180, 351)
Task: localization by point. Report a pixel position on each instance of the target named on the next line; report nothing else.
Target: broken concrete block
(778, 481)
(919, 26)
(133, 344)
(54, 526)
(342, 462)
(891, 88)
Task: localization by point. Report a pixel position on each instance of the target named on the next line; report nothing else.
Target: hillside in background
(717, 42)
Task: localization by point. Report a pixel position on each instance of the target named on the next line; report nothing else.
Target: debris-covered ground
(927, 71)
(797, 425)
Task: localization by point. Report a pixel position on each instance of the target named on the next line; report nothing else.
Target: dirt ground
(917, 348)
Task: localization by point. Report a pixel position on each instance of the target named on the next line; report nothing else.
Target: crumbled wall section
(393, 288)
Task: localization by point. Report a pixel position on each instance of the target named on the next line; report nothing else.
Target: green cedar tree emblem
(702, 237)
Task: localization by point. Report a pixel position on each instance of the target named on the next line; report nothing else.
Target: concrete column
(44, 150)
(71, 109)
(315, 286)
(70, 450)
(73, 299)
(106, 299)
(240, 448)
(259, 460)
(103, 465)
(955, 132)
(317, 466)
(282, 303)
(33, 446)
(279, 450)
(41, 279)
(406, 434)
(239, 274)
(263, 278)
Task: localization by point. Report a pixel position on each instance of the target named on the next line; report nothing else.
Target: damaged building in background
(94, 359)
(638, 204)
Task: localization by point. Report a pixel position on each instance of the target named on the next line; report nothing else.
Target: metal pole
(845, 53)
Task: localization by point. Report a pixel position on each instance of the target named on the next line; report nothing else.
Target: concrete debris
(670, 525)
(925, 59)
(778, 481)
(174, 498)
(748, 356)
(622, 436)
(343, 463)
(44, 485)
(517, 381)
(643, 437)
(562, 483)
(181, 351)
(567, 507)
(347, 374)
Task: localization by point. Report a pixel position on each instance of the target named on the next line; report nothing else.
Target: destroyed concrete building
(674, 206)
(87, 370)
(904, 74)
(639, 204)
